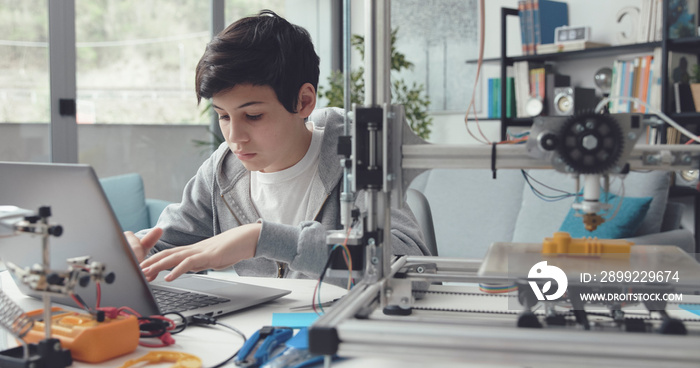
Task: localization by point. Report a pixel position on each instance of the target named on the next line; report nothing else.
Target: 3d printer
(591, 147)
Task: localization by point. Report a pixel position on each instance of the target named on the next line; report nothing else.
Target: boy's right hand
(143, 245)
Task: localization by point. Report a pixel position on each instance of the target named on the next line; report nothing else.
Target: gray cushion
(471, 210)
(538, 219)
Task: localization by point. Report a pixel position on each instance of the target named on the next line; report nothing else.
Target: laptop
(90, 228)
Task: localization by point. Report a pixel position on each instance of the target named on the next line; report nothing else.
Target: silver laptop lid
(90, 228)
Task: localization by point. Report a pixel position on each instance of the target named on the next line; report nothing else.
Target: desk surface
(215, 344)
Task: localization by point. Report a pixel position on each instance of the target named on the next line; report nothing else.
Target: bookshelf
(688, 45)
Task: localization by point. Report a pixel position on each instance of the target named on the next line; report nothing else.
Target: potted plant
(695, 86)
(413, 96)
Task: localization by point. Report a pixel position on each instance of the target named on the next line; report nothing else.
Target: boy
(264, 200)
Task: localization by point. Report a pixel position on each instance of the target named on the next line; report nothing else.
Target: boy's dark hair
(261, 50)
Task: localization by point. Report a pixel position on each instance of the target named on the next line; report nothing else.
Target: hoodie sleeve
(304, 248)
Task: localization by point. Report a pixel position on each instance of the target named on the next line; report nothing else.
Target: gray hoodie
(218, 198)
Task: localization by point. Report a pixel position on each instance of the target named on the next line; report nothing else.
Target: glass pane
(24, 81)
(438, 40)
(237, 9)
(137, 109)
(136, 60)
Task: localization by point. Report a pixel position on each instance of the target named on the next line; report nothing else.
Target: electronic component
(88, 339)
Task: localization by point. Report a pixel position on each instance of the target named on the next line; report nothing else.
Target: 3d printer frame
(386, 156)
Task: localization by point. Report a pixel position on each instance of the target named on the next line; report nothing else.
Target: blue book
(523, 26)
(492, 103)
(548, 15)
(498, 97)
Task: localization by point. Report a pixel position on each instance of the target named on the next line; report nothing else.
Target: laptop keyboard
(180, 301)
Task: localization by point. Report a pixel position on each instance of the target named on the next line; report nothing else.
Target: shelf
(590, 53)
(520, 122)
(685, 117)
(684, 42)
(691, 120)
(593, 52)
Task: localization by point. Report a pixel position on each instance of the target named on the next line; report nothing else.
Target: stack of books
(650, 24)
(538, 19)
(638, 77)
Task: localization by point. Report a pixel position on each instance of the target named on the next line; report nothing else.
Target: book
(569, 46)
(494, 95)
(682, 18)
(655, 77)
(549, 14)
(659, 23)
(510, 97)
(644, 21)
(538, 20)
(523, 26)
(529, 28)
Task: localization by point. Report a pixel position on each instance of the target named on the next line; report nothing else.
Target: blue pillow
(624, 225)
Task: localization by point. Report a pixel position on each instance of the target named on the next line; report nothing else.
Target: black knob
(548, 142)
(44, 211)
(110, 277)
(84, 281)
(54, 279)
(56, 230)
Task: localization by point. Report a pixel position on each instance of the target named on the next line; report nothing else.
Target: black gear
(590, 143)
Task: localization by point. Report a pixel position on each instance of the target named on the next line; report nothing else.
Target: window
(438, 39)
(24, 82)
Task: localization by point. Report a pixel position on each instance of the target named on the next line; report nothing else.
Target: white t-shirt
(285, 196)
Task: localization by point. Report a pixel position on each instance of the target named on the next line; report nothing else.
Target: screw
(375, 260)
(371, 241)
(579, 128)
(404, 300)
(590, 124)
(390, 177)
(632, 136)
(686, 159)
(388, 292)
(420, 269)
(569, 169)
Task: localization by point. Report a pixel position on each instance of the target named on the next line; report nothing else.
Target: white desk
(215, 344)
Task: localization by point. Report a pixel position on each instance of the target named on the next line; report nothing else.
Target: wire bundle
(318, 305)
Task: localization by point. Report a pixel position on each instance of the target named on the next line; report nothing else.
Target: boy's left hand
(217, 252)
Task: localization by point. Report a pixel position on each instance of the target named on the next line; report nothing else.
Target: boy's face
(259, 130)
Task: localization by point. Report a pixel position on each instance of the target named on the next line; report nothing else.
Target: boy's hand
(221, 251)
(142, 246)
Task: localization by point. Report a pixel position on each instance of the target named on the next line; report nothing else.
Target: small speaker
(570, 100)
(553, 81)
